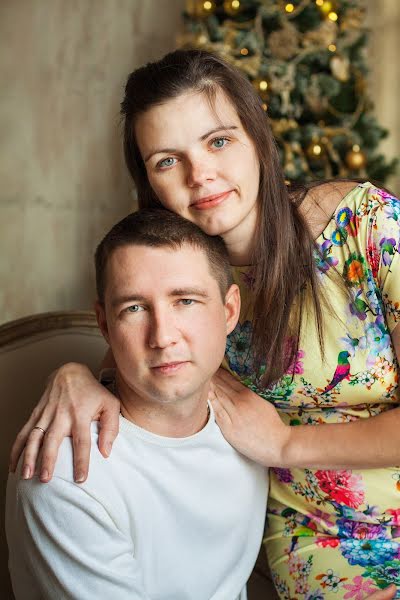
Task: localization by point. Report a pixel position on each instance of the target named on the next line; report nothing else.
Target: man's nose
(200, 171)
(163, 330)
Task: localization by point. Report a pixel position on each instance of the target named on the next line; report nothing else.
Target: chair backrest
(30, 349)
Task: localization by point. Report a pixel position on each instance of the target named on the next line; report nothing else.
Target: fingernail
(108, 448)
(44, 475)
(80, 478)
(26, 472)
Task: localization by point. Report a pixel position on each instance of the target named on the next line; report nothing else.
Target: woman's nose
(200, 171)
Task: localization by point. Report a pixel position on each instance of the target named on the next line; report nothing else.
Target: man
(175, 513)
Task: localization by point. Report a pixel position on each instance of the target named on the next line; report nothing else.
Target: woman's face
(202, 164)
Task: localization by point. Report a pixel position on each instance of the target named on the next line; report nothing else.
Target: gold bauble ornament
(355, 158)
(261, 86)
(232, 7)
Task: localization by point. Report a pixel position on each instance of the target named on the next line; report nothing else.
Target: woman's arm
(254, 427)
(72, 400)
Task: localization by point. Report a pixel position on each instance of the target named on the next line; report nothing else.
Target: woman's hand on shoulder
(72, 400)
(249, 423)
(385, 594)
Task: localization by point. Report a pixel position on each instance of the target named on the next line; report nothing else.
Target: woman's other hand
(386, 594)
(249, 423)
(72, 400)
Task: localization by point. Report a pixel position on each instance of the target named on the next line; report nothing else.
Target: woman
(318, 335)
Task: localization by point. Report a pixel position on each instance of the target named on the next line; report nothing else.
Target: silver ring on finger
(40, 429)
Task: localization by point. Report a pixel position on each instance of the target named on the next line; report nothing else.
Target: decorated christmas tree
(307, 61)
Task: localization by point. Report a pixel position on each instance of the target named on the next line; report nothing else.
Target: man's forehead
(137, 256)
(169, 270)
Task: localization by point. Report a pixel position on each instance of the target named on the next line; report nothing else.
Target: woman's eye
(134, 308)
(166, 162)
(219, 142)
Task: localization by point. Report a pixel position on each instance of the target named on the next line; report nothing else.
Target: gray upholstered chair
(30, 349)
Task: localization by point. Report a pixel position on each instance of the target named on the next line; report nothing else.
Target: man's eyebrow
(127, 298)
(220, 128)
(189, 291)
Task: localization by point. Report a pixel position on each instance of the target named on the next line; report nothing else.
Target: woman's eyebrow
(201, 139)
(217, 129)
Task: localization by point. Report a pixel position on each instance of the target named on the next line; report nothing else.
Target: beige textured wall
(63, 182)
(63, 65)
(383, 19)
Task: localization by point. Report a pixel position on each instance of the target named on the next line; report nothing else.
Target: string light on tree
(261, 86)
(207, 7)
(326, 7)
(355, 158)
(200, 8)
(304, 61)
(315, 151)
(232, 7)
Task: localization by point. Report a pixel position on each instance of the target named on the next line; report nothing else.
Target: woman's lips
(210, 201)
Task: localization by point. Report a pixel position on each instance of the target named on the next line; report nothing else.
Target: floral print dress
(336, 534)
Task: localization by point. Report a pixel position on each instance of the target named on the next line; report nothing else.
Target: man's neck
(176, 419)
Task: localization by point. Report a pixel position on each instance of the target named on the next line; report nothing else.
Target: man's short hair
(159, 228)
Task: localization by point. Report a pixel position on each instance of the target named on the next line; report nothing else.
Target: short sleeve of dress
(383, 248)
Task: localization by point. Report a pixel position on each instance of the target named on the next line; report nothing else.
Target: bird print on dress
(342, 371)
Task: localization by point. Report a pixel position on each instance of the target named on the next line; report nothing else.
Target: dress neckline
(339, 207)
(322, 235)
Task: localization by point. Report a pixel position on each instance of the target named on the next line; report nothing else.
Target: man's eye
(166, 162)
(219, 142)
(187, 301)
(134, 308)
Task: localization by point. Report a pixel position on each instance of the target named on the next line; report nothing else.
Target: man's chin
(171, 397)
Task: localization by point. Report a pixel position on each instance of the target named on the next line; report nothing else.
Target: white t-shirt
(161, 519)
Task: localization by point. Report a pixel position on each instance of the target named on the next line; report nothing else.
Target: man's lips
(169, 368)
(210, 201)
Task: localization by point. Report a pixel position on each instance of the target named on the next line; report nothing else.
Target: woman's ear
(232, 307)
(101, 319)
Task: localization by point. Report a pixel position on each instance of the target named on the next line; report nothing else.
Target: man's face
(165, 320)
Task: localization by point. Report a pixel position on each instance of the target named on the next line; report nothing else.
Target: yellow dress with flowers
(336, 534)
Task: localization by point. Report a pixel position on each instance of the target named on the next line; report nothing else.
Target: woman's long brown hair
(283, 252)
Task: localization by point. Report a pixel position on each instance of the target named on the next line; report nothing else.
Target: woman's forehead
(191, 114)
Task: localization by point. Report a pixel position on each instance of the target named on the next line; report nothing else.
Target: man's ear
(232, 307)
(101, 319)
